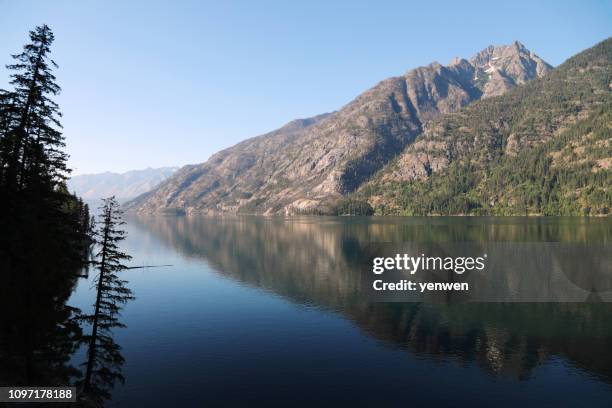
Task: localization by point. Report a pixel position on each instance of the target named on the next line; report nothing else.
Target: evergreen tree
(104, 360)
(32, 142)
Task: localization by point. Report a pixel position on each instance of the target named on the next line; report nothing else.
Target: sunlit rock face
(501, 68)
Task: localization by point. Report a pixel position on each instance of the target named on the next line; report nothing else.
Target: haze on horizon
(153, 84)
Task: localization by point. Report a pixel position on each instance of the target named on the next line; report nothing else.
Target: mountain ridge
(124, 186)
(309, 165)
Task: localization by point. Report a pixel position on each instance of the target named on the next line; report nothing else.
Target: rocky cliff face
(307, 165)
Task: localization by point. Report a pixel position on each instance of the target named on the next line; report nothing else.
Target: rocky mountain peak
(499, 68)
(537, 139)
(519, 46)
(458, 61)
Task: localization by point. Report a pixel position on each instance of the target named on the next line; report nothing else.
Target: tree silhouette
(104, 360)
(32, 142)
(44, 229)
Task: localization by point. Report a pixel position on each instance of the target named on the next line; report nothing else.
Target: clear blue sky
(170, 83)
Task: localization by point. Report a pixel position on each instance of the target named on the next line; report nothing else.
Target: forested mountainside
(310, 164)
(542, 148)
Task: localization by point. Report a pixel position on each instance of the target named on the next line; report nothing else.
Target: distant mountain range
(389, 150)
(123, 186)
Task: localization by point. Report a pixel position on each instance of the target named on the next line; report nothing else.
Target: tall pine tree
(104, 360)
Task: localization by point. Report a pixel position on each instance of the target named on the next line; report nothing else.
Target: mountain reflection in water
(276, 312)
(315, 261)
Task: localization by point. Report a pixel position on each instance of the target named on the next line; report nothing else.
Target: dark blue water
(268, 312)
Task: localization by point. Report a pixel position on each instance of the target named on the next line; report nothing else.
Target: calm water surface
(269, 310)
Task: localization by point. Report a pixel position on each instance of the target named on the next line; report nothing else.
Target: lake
(273, 311)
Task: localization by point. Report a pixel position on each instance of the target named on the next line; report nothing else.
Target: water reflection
(41, 334)
(316, 261)
(38, 331)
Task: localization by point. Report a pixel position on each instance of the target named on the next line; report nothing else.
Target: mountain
(499, 69)
(308, 165)
(542, 148)
(123, 186)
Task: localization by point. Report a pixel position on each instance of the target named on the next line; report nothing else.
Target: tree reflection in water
(40, 333)
(317, 261)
